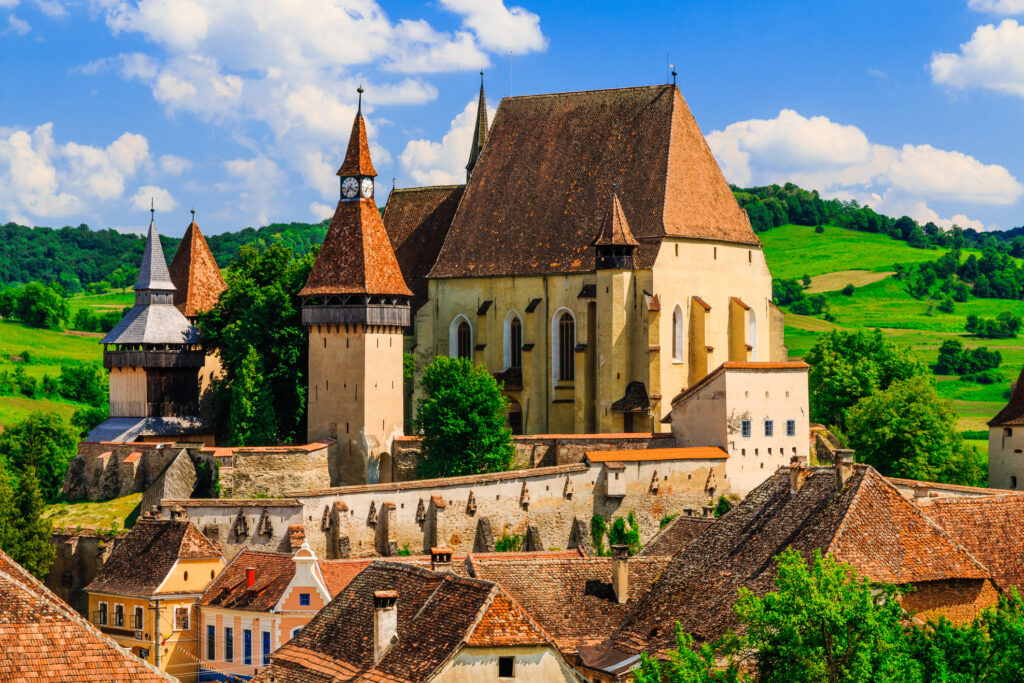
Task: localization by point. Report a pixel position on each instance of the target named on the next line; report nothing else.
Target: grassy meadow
(839, 257)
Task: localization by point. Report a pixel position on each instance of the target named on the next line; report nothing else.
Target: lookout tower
(356, 306)
(154, 356)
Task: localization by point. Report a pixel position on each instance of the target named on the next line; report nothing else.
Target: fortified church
(595, 262)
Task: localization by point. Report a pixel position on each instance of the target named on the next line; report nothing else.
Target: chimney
(844, 466)
(921, 492)
(385, 622)
(620, 573)
(797, 473)
(178, 513)
(440, 559)
(250, 577)
(709, 510)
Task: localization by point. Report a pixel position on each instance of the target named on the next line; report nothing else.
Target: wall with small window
(505, 664)
(1006, 457)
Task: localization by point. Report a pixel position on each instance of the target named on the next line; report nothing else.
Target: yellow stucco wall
(632, 340)
(355, 396)
(191, 576)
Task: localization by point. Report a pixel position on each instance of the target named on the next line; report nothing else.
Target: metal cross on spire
(152, 211)
(193, 214)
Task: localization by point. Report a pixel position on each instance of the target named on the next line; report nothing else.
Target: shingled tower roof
(534, 202)
(357, 158)
(479, 130)
(614, 228)
(194, 272)
(356, 256)
(153, 274)
(1013, 413)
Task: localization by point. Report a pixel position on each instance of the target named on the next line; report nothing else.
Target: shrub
(848, 290)
(666, 519)
(819, 229)
(83, 383)
(946, 305)
(509, 544)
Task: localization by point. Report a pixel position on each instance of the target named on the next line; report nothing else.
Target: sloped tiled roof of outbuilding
(867, 524)
(572, 598)
(437, 614)
(543, 183)
(676, 535)
(43, 639)
(194, 272)
(989, 527)
(145, 555)
(417, 220)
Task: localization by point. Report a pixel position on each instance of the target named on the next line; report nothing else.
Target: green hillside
(839, 256)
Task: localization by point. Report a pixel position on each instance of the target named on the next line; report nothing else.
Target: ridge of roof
(425, 188)
(591, 91)
(194, 272)
(1013, 412)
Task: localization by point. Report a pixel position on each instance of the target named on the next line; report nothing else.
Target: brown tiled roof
(867, 524)
(437, 613)
(615, 228)
(571, 598)
(357, 156)
(141, 561)
(1013, 412)
(649, 454)
(539, 191)
(356, 256)
(274, 571)
(417, 221)
(43, 639)
(194, 272)
(676, 535)
(989, 527)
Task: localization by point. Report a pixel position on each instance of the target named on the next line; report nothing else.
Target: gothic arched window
(464, 338)
(677, 333)
(515, 343)
(566, 348)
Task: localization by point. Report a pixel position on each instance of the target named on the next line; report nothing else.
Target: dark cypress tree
(31, 547)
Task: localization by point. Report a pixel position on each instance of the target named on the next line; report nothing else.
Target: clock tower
(356, 306)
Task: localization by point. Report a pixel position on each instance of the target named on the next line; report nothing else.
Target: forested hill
(76, 257)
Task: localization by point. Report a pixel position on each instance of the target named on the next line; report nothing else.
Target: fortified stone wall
(104, 470)
(537, 450)
(274, 471)
(80, 554)
(550, 507)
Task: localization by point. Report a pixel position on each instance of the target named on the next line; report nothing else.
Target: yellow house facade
(144, 596)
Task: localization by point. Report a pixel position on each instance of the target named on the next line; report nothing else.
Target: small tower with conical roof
(479, 130)
(1006, 442)
(356, 306)
(154, 356)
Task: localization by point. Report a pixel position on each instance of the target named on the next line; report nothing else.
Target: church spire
(153, 273)
(479, 131)
(357, 158)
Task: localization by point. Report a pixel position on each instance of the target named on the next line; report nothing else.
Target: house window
(101, 615)
(790, 427)
(229, 644)
(181, 618)
(506, 667)
(769, 428)
(266, 648)
(566, 348)
(515, 342)
(304, 599)
(137, 619)
(745, 429)
(247, 646)
(295, 631)
(677, 333)
(119, 615)
(211, 642)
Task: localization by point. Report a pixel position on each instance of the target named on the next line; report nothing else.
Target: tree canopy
(462, 420)
(43, 442)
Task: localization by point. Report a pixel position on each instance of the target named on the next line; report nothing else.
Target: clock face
(349, 187)
(367, 187)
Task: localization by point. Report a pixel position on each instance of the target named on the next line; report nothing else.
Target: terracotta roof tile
(417, 221)
(194, 272)
(615, 228)
(676, 535)
(274, 571)
(43, 639)
(357, 156)
(538, 192)
(867, 524)
(142, 559)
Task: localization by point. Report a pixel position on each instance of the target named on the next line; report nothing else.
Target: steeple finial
(357, 158)
(152, 212)
(359, 107)
(674, 73)
(193, 214)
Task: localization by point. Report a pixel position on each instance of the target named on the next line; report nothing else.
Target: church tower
(356, 306)
(479, 130)
(154, 356)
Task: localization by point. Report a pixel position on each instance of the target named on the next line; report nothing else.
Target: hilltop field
(838, 257)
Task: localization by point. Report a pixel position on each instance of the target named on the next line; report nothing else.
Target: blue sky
(242, 108)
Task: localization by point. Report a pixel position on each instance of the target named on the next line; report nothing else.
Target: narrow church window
(566, 348)
(677, 333)
(515, 343)
(1013, 482)
(463, 340)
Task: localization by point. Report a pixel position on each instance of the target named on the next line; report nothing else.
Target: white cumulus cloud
(174, 165)
(443, 163)
(320, 211)
(997, 6)
(992, 59)
(500, 28)
(162, 199)
(840, 161)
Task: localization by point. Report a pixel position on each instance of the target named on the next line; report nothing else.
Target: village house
(400, 622)
(848, 511)
(595, 259)
(144, 595)
(42, 638)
